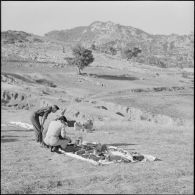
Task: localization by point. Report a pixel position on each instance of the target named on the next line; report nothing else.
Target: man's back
(45, 110)
(54, 129)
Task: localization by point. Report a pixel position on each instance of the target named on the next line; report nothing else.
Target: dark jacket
(44, 112)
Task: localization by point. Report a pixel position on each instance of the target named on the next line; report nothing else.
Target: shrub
(184, 74)
(108, 49)
(64, 50)
(113, 51)
(37, 40)
(136, 51)
(157, 61)
(69, 60)
(82, 57)
(129, 53)
(163, 64)
(93, 47)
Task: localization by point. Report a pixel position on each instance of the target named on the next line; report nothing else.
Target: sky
(155, 17)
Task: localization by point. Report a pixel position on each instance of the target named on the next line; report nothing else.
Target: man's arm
(43, 121)
(45, 116)
(62, 113)
(63, 134)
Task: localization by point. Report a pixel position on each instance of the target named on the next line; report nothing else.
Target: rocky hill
(99, 33)
(14, 37)
(161, 50)
(172, 50)
(22, 46)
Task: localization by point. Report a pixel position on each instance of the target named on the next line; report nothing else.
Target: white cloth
(24, 125)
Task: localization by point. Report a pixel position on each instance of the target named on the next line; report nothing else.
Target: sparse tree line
(126, 53)
(82, 57)
(105, 48)
(131, 52)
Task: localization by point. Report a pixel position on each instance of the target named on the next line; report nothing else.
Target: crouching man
(56, 134)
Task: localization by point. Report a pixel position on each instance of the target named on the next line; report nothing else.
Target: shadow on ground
(18, 130)
(12, 136)
(121, 144)
(5, 140)
(112, 77)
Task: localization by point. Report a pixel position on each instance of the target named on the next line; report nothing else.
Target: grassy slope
(32, 169)
(27, 168)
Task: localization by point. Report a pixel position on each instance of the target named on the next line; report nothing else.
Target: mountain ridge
(173, 49)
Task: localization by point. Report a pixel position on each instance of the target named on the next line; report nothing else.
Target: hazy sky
(40, 17)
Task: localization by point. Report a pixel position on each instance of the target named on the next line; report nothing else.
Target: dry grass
(32, 169)
(26, 168)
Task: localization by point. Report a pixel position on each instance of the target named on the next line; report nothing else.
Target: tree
(128, 53)
(93, 46)
(64, 51)
(82, 57)
(136, 51)
(113, 51)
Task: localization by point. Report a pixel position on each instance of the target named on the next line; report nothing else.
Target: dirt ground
(135, 107)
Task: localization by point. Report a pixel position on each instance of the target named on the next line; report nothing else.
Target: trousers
(56, 141)
(37, 127)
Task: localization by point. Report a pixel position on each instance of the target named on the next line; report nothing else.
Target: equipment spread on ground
(102, 154)
(96, 153)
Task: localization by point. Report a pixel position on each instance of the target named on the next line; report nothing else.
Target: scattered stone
(119, 114)
(102, 107)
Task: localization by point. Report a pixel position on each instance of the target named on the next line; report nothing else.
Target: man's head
(63, 120)
(55, 108)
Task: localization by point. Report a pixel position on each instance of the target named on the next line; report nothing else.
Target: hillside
(142, 109)
(21, 46)
(134, 106)
(160, 50)
(174, 50)
(99, 33)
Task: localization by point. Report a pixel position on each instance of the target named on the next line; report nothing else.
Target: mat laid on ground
(99, 154)
(20, 124)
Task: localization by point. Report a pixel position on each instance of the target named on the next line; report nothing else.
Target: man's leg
(54, 142)
(63, 143)
(43, 137)
(37, 128)
(44, 133)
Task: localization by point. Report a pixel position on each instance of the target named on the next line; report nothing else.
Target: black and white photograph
(97, 97)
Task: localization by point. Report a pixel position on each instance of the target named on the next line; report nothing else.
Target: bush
(185, 75)
(107, 48)
(70, 61)
(162, 64)
(37, 40)
(153, 60)
(129, 53)
(93, 47)
(113, 51)
(82, 57)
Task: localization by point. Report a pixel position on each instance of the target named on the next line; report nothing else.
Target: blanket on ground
(20, 124)
(101, 154)
(98, 154)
